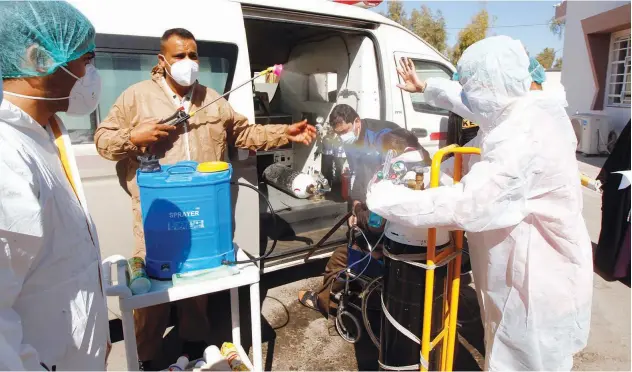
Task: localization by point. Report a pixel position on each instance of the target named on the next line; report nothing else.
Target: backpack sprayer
(149, 162)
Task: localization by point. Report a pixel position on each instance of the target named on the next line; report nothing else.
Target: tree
(397, 13)
(475, 31)
(558, 63)
(430, 27)
(546, 57)
(557, 27)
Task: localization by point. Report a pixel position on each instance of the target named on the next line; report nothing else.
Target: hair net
(494, 72)
(39, 36)
(537, 71)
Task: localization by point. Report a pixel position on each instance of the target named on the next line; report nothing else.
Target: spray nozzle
(276, 69)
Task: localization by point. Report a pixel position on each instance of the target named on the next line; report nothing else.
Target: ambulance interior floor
(297, 338)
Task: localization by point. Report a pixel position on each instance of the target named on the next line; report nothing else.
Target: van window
(119, 71)
(425, 70)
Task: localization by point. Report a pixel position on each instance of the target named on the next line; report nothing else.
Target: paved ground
(299, 339)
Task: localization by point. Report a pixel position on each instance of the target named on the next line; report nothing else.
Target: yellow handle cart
(446, 337)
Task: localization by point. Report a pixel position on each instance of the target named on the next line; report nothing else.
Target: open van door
(429, 123)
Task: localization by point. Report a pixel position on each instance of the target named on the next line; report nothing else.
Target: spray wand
(180, 116)
(149, 162)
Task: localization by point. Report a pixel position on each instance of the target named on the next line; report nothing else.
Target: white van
(332, 53)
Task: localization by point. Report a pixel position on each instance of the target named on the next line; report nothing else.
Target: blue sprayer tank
(187, 217)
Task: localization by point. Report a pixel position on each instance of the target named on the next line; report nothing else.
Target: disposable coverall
(204, 138)
(521, 205)
(52, 308)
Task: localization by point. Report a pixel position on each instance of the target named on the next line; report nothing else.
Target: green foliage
(397, 13)
(546, 57)
(475, 31)
(430, 27)
(558, 63)
(557, 27)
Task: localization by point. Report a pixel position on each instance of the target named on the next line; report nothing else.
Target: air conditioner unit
(592, 133)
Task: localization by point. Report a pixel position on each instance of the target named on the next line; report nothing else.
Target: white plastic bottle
(180, 364)
(214, 359)
(200, 364)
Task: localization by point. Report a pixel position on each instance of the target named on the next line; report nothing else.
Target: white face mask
(84, 95)
(350, 137)
(184, 72)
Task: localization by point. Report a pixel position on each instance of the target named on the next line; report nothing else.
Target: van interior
(322, 67)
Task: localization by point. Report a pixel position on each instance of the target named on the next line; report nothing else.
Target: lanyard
(65, 162)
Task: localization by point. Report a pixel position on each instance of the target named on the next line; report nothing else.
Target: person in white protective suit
(520, 203)
(53, 312)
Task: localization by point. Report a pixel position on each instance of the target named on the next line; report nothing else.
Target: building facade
(596, 68)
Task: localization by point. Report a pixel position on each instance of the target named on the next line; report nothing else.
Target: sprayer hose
(274, 221)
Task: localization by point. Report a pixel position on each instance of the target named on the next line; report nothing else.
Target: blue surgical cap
(39, 36)
(537, 71)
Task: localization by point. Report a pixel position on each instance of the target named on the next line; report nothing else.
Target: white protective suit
(521, 205)
(52, 308)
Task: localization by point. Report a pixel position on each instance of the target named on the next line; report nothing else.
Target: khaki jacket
(204, 138)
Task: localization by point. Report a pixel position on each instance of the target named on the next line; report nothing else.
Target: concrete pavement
(296, 338)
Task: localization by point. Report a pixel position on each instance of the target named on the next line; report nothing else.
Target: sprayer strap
(404, 331)
(412, 258)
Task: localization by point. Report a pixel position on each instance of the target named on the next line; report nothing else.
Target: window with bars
(619, 78)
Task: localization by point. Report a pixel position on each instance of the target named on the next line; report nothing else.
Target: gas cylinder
(346, 184)
(299, 185)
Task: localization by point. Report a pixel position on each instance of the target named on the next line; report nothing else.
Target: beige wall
(577, 73)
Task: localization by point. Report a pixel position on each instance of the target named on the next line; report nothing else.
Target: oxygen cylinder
(299, 185)
(403, 296)
(346, 184)
(404, 284)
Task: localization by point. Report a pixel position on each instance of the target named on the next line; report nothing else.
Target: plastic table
(164, 291)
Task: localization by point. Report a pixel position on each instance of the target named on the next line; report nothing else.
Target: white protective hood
(520, 203)
(448, 94)
(52, 308)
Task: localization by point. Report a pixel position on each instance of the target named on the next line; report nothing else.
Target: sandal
(310, 300)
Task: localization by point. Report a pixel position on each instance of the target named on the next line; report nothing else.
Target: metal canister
(139, 282)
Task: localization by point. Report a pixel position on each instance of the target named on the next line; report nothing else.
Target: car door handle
(419, 132)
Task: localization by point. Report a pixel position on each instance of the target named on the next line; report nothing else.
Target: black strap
(54, 367)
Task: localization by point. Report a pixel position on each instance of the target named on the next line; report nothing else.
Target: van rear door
(429, 123)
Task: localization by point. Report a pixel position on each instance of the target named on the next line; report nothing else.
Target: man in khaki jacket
(131, 127)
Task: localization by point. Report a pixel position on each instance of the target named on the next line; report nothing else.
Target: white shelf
(165, 292)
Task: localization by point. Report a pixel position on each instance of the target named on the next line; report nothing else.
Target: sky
(529, 20)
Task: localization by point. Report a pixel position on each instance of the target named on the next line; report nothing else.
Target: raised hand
(412, 83)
